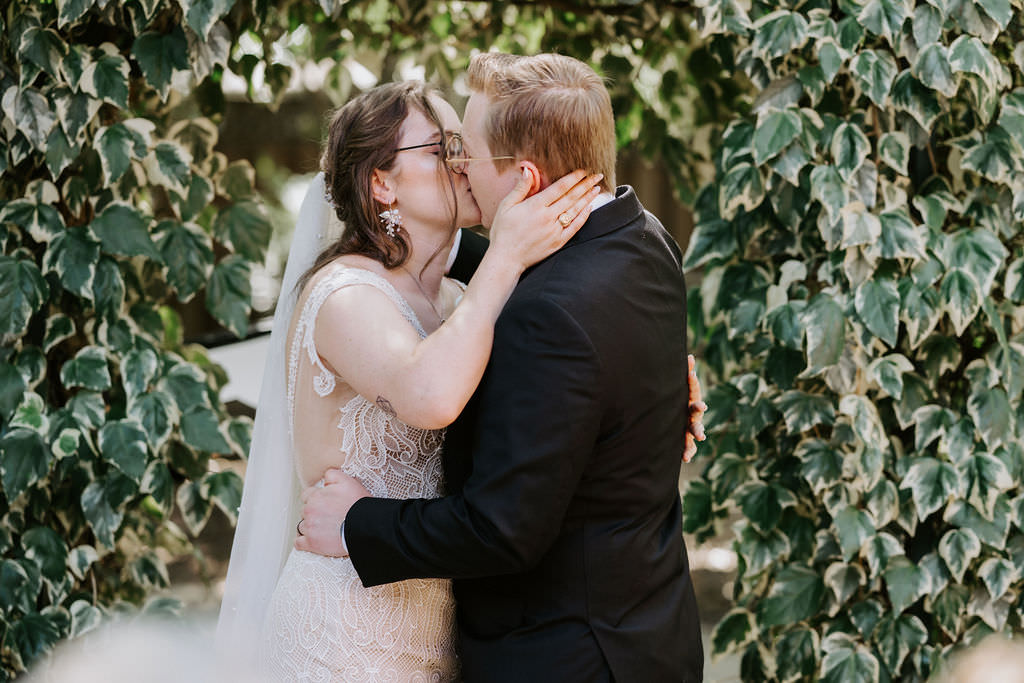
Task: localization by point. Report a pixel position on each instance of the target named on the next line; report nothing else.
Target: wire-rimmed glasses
(453, 151)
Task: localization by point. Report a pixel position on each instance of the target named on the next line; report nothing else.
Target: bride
(373, 353)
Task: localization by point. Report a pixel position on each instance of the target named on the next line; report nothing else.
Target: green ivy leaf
(169, 165)
(88, 369)
(849, 149)
(103, 517)
(762, 551)
(967, 54)
(878, 306)
(244, 227)
(962, 296)
(884, 17)
(796, 595)
(160, 55)
(874, 72)
(32, 114)
(899, 237)
(108, 289)
(43, 221)
(117, 146)
(123, 442)
(24, 460)
(44, 48)
(958, 548)
(12, 387)
(106, 77)
(1013, 286)
(73, 255)
(760, 504)
(894, 152)
(159, 484)
(194, 508)
(932, 69)
(897, 637)
(927, 24)
(697, 506)
(828, 187)
(853, 527)
(932, 484)
(716, 239)
(85, 617)
(985, 477)
(991, 411)
(742, 187)
(733, 632)
(909, 95)
(124, 231)
(779, 33)
(950, 608)
(36, 633)
(23, 291)
(31, 414)
(66, 444)
(88, 409)
(906, 583)
(844, 580)
(994, 158)
(201, 430)
(228, 294)
(157, 414)
(187, 384)
(821, 465)
(60, 152)
(797, 653)
(998, 574)
(72, 10)
(224, 489)
(201, 15)
(775, 130)
(47, 549)
(888, 373)
(197, 197)
(138, 370)
(826, 333)
(803, 411)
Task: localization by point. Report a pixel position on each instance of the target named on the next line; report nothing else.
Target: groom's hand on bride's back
(324, 508)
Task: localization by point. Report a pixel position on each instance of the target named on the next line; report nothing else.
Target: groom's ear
(381, 187)
(537, 179)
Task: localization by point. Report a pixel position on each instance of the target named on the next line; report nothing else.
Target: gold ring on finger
(565, 219)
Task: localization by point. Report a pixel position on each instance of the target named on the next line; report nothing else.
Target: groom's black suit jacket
(562, 527)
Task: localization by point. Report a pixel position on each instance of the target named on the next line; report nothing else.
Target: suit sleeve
(539, 418)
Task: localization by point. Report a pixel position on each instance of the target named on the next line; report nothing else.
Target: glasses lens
(453, 153)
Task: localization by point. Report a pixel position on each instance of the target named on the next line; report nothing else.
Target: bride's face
(422, 188)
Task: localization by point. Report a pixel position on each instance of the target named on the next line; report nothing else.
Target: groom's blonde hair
(551, 109)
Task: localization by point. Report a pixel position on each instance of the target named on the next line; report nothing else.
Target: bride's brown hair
(363, 136)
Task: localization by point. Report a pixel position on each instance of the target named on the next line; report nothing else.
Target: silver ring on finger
(565, 219)
(297, 529)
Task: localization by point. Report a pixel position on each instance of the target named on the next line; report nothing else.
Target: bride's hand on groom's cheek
(324, 508)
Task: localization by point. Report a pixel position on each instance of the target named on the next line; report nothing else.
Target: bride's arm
(427, 382)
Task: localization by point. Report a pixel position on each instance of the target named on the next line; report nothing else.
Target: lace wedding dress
(321, 623)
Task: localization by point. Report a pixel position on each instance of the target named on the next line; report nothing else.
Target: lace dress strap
(339, 276)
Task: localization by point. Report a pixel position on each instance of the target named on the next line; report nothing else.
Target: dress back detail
(322, 624)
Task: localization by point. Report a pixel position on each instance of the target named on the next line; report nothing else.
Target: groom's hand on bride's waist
(324, 509)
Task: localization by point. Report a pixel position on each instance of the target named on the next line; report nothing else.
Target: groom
(562, 528)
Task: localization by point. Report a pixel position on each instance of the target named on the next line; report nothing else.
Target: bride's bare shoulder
(344, 261)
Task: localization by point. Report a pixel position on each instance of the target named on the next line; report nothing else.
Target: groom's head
(549, 112)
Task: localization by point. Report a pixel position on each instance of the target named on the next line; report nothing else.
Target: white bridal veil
(270, 500)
